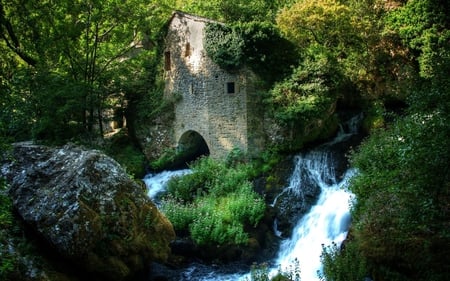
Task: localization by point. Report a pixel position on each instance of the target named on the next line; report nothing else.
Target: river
(327, 221)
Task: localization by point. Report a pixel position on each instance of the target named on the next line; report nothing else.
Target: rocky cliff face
(87, 209)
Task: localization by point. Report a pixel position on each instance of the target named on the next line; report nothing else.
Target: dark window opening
(167, 61)
(187, 51)
(231, 88)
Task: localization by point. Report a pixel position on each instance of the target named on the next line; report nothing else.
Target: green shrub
(259, 45)
(230, 180)
(400, 216)
(214, 203)
(245, 205)
(212, 226)
(122, 149)
(205, 171)
(179, 213)
(169, 158)
(308, 94)
(224, 45)
(8, 262)
(216, 220)
(345, 264)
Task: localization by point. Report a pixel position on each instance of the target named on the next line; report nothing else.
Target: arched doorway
(191, 146)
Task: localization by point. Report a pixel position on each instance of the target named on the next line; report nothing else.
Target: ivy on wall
(224, 46)
(256, 44)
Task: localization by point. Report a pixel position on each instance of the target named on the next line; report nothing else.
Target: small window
(231, 88)
(167, 62)
(187, 51)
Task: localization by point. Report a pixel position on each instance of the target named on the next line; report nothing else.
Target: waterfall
(326, 222)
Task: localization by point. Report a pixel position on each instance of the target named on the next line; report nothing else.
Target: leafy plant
(8, 262)
(224, 45)
(214, 203)
(309, 93)
(260, 272)
(402, 196)
(346, 264)
(258, 45)
(121, 148)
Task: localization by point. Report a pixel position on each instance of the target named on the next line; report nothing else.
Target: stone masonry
(220, 106)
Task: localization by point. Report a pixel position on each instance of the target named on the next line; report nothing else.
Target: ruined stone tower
(215, 108)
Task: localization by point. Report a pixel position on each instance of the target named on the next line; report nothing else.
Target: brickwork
(220, 106)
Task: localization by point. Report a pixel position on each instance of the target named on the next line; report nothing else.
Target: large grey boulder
(87, 209)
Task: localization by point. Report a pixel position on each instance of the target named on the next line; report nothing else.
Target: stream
(326, 222)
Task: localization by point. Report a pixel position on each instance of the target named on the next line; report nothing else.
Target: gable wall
(221, 118)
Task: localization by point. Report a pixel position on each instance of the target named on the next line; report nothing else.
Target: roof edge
(192, 17)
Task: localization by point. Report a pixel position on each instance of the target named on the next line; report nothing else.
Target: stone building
(216, 110)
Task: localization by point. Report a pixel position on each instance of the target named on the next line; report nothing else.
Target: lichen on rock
(87, 209)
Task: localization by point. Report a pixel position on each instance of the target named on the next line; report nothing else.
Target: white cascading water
(156, 183)
(327, 221)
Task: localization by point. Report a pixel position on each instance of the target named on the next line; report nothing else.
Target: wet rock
(87, 209)
(292, 205)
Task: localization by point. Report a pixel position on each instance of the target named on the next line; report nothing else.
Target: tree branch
(12, 41)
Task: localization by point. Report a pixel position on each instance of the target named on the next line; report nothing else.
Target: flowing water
(327, 221)
(157, 183)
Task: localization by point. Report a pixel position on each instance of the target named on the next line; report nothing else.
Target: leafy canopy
(401, 217)
(75, 59)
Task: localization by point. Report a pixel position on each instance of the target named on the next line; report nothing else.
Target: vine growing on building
(258, 45)
(224, 46)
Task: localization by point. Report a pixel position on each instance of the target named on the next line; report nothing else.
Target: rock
(87, 209)
(290, 206)
(296, 199)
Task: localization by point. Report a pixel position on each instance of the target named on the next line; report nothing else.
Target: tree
(79, 52)
(230, 11)
(401, 213)
(351, 32)
(324, 22)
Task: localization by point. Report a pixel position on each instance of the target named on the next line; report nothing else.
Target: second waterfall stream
(327, 221)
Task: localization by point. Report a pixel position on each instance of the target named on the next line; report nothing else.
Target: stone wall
(219, 105)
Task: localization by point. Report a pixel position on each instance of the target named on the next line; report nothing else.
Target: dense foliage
(224, 45)
(69, 63)
(309, 94)
(230, 10)
(6, 221)
(257, 45)
(401, 216)
(215, 204)
(71, 67)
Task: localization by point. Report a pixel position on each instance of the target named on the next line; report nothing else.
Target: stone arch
(192, 145)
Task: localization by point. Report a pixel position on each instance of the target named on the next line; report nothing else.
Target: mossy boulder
(87, 209)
